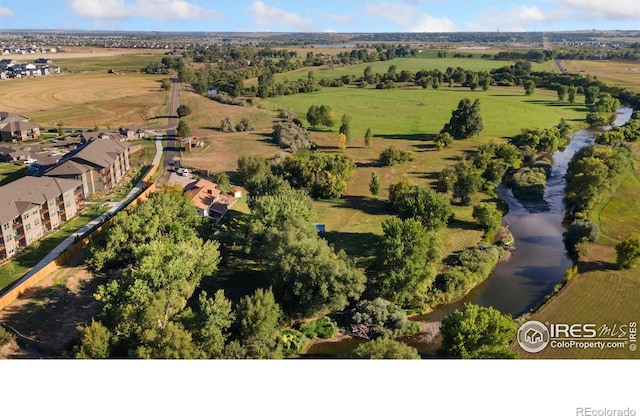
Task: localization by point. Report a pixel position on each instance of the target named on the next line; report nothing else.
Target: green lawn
(17, 267)
(124, 63)
(413, 113)
(10, 172)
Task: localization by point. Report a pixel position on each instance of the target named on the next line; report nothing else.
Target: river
(530, 273)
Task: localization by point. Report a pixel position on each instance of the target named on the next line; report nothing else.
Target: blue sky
(321, 16)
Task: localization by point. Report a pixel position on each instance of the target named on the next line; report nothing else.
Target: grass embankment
(601, 293)
(88, 100)
(17, 267)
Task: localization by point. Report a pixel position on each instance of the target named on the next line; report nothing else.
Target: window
(6, 226)
(27, 227)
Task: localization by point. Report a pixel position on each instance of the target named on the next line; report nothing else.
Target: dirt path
(51, 311)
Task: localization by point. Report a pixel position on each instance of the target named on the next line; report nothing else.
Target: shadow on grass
(14, 176)
(367, 205)
(463, 225)
(413, 137)
(358, 245)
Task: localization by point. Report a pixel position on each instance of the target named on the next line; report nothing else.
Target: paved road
(172, 121)
(171, 150)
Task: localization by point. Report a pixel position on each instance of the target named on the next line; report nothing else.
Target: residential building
(30, 207)
(16, 128)
(99, 165)
(209, 200)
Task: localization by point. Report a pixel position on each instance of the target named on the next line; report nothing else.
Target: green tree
(488, 216)
(313, 115)
(628, 251)
(529, 86)
(258, 319)
(380, 318)
(468, 181)
(345, 127)
(432, 209)
(252, 166)
(94, 341)
(465, 121)
(244, 125)
(221, 179)
(226, 125)
(183, 129)
(291, 135)
(571, 94)
(183, 110)
(385, 348)
(308, 276)
(404, 257)
(374, 184)
(477, 332)
(213, 320)
(165, 84)
(443, 140)
(368, 136)
(393, 156)
(562, 92)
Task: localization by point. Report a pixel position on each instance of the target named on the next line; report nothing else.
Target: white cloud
(111, 9)
(4, 12)
(517, 19)
(410, 18)
(152, 9)
(269, 17)
(607, 9)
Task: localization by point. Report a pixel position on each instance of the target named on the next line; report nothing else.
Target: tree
(562, 92)
(571, 92)
(221, 179)
(94, 341)
(226, 125)
(257, 321)
(213, 320)
(288, 134)
(465, 121)
(345, 127)
(367, 138)
(477, 332)
(443, 140)
(380, 318)
(529, 86)
(252, 166)
(403, 261)
(628, 251)
(165, 84)
(342, 141)
(432, 209)
(313, 115)
(183, 129)
(308, 276)
(385, 348)
(374, 184)
(244, 125)
(183, 110)
(392, 156)
(468, 182)
(488, 216)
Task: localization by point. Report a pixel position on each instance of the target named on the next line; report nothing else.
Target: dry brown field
(620, 73)
(87, 100)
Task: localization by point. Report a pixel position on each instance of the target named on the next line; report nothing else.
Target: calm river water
(539, 262)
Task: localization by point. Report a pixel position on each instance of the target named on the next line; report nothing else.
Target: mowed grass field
(87, 100)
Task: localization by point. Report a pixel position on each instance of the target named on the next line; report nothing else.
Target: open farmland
(87, 100)
(624, 74)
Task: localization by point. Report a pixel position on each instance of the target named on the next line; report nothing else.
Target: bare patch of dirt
(47, 316)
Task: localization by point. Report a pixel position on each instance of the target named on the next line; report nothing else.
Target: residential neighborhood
(31, 206)
(17, 128)
(10, 69)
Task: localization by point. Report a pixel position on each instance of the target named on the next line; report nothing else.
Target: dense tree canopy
(385, 348)
(477, 332)
(432, 209)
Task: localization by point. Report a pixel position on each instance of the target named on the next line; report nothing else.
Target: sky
(321, 16)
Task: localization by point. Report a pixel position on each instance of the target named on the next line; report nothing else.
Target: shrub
(381, 318)
(392, 156)
(293, 342)
(244, 125)
(226, 125)
(320, 328)
(5, 336)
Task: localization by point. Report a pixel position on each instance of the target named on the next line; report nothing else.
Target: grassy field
(413, 64)
(405, 118)
(620, 73)
(10, 172)
(87, 100)
(120, 63)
